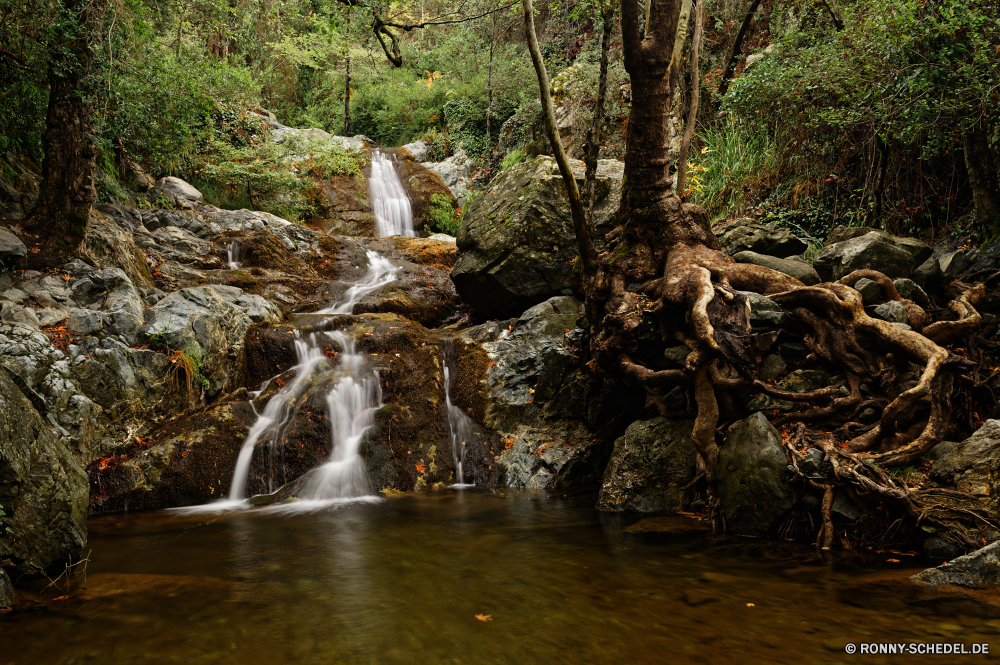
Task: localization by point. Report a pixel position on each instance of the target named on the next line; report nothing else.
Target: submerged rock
(516, 245)
(43, 489)
(649, 467)
(978, 569)
(750, 476)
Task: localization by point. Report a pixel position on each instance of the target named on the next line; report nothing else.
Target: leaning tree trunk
(982, 168)
(58, 222)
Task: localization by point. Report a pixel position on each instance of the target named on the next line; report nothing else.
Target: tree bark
(58, 221)
(737, 46)
(592, 146)
(682, 158)
(982, 168)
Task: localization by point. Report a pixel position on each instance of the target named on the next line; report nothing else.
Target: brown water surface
(401, 581)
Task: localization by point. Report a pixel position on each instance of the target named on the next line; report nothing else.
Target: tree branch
(737, 45)
(412, 26)
(682, 158)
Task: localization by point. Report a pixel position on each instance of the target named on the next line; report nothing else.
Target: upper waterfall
(393, 212)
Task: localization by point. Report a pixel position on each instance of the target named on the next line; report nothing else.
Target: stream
(402, 580)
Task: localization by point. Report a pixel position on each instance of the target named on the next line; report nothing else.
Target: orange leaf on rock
(421, 468)
(484, 617)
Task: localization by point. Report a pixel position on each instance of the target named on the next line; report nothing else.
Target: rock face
(43, 489)
(10, 246)
(800, 270)
(516, 245)
(978, 569)
(109, 245)
(892, 256)
(6, 590)
(527, 388)
(649, 467)
(182, 194)
(751, 478)
(745, 235)
(973, 466)
(456, 174)
(420, 183)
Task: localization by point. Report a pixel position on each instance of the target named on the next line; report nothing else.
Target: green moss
(441, 214)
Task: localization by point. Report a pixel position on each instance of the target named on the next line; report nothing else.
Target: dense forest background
(858, 112)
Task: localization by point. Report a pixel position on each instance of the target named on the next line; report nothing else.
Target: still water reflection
(402, 580)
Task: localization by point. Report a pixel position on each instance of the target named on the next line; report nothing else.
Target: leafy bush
(441, 215)
(512, 158)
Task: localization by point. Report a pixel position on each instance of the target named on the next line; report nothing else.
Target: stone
(11, 245)
(649, 468)
(764, 311)
(85, 322)
(771, 367)
(750, 474)
(747, 235)
(869, 289)
(813, 464)
(516, 244)
(676, 356)
(952, 264)
(918, 249)
(111, 244)
(43, 489)
(800, 270)
(6, 590)
(872, 251)
(418, 149)
(443, 237)
(939, 548)
(928, 274)
(940, 450)
(974, 465)
(843, 508)
(893, 312)
(978, 569)
(905, 287)
(175, 189)
(456, 173)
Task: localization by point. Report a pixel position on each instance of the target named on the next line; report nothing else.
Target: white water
(461, 428)
(393, 212)
(350, 403)
(233, 254)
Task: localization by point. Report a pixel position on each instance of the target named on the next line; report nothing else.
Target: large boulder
(43, 489)
(11, 248)
(109, 244)
(456, 173)
(516, 246)
(917, 248)
(973, 466)
(179, 192)
(978, 569)
(750, 476)
(893, 257)
(798, 269)
(746, 235)
(650, 466)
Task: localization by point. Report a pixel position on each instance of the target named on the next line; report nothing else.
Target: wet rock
(745, 235)
(516, 245)
(421, 183)
(892, 311)
(11, 246)
(188, 462)
(420, 293)
(650, 465)
(978, 569)
(751, 478)
(869, 289)
(43, 489)
(939, 548)
(974, 465)
(800, 270)
(872, 251)
(6, 590)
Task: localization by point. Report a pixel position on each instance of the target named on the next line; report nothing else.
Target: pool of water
(403, 580)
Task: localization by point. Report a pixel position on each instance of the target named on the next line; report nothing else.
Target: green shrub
(442, 216)
(512, 158)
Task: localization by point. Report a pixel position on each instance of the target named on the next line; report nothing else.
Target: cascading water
(461, 428)
(351, 402)
(233, 254)
(393, 212)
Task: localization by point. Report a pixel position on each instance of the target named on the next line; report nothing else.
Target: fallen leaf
(892, 560)
(749, 604)
(484, 617)
(421, 468)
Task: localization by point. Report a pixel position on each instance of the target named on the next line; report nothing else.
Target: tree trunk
(737, 47)
(592, 146)
(59, 219)
(347, 96)
(682, 158)
(982, 168)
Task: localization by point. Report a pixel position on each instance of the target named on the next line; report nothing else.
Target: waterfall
(393, 213)
(461, 428)
(351, 401)
(233, 254)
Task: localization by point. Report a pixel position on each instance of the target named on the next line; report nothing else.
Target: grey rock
(6, 590)
(676, 356)
(974, 465)
(918, 249)
(941, 450)
(126, 310)
(902, 326)
(843, 507)
(747, 235)
(649, 467)
(43, 490)
(516, 245)
(928, 274)
(905, 287)
(978, 569)
(953, 263)
(893, 312)
(764, 311)
(869, 289)
(813, 464)
(10, 245)
(418, 149)
(872, 251)
(85, 322)
(771, 367)
(800, 270)
(939, 548)
(444, 237)
(456, 173)
(175, 189)
(751, 478)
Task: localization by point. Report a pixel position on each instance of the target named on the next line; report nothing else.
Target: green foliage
(512, 158)
(441, 215)
(737, 159)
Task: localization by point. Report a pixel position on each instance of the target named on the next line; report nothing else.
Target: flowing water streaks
(393, 213)
(233, 254)
(461, 428)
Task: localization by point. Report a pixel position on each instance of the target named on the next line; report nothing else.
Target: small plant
(185, 368)
(158, 339)
(512, 158)
(441, 215)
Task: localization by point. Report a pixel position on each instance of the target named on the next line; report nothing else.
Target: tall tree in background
(59, 219)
